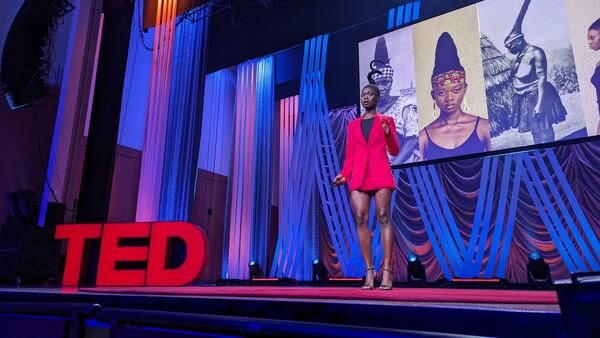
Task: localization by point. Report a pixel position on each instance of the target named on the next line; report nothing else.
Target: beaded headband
(449, 77)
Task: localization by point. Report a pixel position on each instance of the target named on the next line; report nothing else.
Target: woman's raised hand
(385, 124)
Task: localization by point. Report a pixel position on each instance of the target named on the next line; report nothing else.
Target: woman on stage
(368, 171)
(455, 132)
(594, 43)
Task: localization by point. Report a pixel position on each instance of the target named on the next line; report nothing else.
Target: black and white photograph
(392, 55)
(531, 79)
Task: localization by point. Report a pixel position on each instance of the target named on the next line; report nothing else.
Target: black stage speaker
(29, 255)
(25, 57)
(579, 304)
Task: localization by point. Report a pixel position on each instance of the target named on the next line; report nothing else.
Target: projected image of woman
(454, 132)
(593, 36)
(367, 170)
(536, 105)
(396, 106)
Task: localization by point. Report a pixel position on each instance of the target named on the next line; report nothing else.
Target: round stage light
(319, 271)
(256, 270)
(416, 270)
(534, 256)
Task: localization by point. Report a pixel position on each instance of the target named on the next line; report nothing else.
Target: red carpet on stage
(345, 293)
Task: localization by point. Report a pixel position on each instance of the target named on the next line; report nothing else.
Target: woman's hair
(446, 56)
(374, 87)
(374, 71)
(595, 26)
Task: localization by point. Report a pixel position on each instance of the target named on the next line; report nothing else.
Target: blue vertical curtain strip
(510, 223)
(241, 180)
(184, 117)
(217, 123)
(572, 201)
(249, 197)
(263, 139)
(334, 201)
(552, 219)
(288, 117)
(587, 253)
(216, 144)
(297, 197)
(435, 244)
(499, 225)
(451, 256)
(291, 258)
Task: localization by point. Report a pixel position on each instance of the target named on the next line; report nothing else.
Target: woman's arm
(483, 131)
(422, 143)
(349, 157)
(541, 67)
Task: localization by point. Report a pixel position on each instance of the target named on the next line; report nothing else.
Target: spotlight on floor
(256, 270)
(416, 270)
(319, 271)
(538, 271)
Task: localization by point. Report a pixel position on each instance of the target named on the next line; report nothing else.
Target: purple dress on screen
(596, 83)
(472, 145)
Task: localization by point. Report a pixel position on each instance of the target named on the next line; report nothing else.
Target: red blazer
(367, 166)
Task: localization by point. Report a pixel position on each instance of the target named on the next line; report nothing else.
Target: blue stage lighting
(319, 271)
(534, 256)
(416, 270)
(538, 271)
(256, 270)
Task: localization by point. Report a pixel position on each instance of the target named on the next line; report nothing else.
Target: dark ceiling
(283, 30)
(269, 30)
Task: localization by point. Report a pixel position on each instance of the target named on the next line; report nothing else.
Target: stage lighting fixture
(256, 270)
(416, 270)
(319, 271)
(538, 271)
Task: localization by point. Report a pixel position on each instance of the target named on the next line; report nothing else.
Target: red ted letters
(156, 254)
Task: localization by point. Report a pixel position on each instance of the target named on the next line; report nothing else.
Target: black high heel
(387, 287)
(369, 285)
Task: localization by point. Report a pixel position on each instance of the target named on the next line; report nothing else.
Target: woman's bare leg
(382, 203)
(360, 208)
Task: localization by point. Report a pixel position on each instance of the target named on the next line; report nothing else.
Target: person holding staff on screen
(536, 104)
(367, 170)
(594, 43)
(403, 113)
(454, 132)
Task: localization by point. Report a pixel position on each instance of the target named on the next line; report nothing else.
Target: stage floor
(545, 300)
(485, 312)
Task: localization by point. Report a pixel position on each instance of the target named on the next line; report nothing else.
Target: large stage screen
(497, 75)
